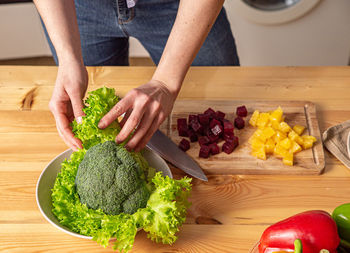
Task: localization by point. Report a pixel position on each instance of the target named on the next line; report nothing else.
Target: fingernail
(79, 120)
(101, 124)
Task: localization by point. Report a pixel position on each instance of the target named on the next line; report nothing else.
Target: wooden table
(228, 213)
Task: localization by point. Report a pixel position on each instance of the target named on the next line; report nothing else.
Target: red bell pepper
(316, 230)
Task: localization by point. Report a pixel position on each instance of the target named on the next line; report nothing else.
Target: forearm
(61, 23)
(192, 25)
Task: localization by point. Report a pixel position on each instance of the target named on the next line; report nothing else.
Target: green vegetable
(166, 207)
(109, 178)
(100, 102)
(341, 216)
(298, 246)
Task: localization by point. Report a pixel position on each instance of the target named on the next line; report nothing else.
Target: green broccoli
(111, 179)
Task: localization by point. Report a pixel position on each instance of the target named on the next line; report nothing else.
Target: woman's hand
(66, 101)
(146, 107)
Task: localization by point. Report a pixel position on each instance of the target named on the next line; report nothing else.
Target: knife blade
(168, 150)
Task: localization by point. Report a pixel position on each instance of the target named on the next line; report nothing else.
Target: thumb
(77, 106)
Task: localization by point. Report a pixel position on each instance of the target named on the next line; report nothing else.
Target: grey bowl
(49, 174)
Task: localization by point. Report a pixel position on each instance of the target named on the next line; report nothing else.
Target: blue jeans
(106, 25)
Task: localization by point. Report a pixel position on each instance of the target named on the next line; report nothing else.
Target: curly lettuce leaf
(100, 102)
(166, 208)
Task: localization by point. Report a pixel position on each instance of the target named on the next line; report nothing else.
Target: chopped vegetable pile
(275, 136)
(208, 129)
(166, 207)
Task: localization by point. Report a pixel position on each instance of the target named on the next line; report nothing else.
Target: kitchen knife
(167, 149)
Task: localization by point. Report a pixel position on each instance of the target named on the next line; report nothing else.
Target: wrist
(69, 59)
(171, 84)
(171, 89)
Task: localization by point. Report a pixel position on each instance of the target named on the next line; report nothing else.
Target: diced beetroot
(192, 117)
(184, 145)
(214, 122)
(227, 147)
(203, 140)
(216, 127)
(217, 130)
(192, 135)
(197, 127)
(203, 119)
(214, 149)
(228, 136)
(181, 122)
(206, 131)
(204, 151)
(228, 127)
(241, 111)
(210, 112)
(239, 122)
(220, 115)
(234, 141)
(183, 130)
(213, 138)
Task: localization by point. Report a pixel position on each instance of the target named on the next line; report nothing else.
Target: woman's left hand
(145, 108)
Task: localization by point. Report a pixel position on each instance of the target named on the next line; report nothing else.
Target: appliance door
(273, 12)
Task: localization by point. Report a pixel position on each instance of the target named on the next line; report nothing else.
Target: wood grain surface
(310, 161)
(228, 213)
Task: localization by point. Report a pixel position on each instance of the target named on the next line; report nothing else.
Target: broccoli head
(109, 178)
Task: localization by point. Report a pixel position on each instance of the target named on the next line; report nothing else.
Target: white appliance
(291, 32)
(267, 32)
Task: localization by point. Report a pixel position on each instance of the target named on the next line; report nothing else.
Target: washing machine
(291, 32)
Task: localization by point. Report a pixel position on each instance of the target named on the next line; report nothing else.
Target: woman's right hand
(67, 100)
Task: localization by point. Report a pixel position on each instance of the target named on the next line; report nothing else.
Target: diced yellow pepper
(259, 153)
(309, 137)
(280, 151)
(279, 136)
(288, 159)
(276, 115)
(308, 141)
(269, 146)
(307, 144)
(295, 147)
(299, 129)
(268, 132)
(286, 143)
(257, 143)
(260, 135)
(293, 135)
(263, 120)
(284, 127)
(299, 140)
(275, 125)
(254, 118)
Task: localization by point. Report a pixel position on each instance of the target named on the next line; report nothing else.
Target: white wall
(21, 34)
(322, 37)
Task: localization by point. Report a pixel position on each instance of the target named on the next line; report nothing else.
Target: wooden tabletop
(228, 213)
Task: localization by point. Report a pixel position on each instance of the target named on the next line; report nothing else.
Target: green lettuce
(166, 208)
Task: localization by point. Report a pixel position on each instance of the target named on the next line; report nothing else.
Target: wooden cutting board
(240, 161)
